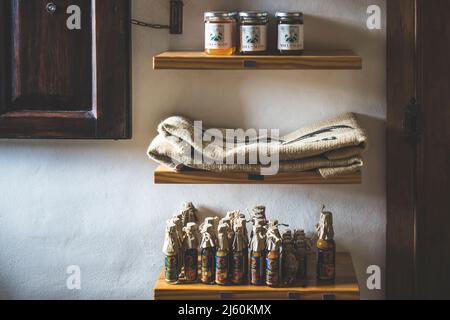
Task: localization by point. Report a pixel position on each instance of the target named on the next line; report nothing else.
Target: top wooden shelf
(310, 60)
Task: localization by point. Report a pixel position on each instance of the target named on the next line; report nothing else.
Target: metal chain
(149, 25)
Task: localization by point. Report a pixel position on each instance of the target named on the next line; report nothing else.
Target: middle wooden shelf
(165, 175)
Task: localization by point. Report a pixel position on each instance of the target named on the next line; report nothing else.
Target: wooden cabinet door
(418, 219)
(65, 69)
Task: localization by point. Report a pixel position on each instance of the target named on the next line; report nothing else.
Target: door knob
(51, 8)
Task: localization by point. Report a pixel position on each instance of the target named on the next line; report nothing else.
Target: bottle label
(218, 35)
(257, 268)
(326, 264)
(273, 270)
(171, 272)
(253, 38)
(237, 274)
(191, 265)
(222, 268)
(290, 37)
(207, 266)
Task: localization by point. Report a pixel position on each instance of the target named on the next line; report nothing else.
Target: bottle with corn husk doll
(171, 250)
(326, 248)
(288, 260)
(190, 247)
(223, 256)
(273, 240)
(302, 246)
(257, 255)
(177, 221)
(239, 254)
(208, 254)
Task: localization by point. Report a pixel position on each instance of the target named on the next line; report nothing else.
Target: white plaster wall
(93, 203)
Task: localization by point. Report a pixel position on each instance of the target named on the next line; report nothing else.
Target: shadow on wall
(4, 290)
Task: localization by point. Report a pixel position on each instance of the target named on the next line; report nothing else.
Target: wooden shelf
(311, 60)
(164, 175)
(345, 287)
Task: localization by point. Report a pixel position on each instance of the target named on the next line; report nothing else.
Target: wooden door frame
(401, 232)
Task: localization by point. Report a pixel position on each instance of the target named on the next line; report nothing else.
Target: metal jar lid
(253, 14)
(248, 16)
(220, 14)
(298, 15)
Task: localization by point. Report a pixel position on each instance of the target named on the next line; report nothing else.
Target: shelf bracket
(250, 64)
(294, 296)
(226, 295)
(256, 177)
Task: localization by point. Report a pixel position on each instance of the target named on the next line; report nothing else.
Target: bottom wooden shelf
(345, 287)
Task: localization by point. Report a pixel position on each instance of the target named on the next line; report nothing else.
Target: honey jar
(290, 33)
(220, 32)
(253, 32)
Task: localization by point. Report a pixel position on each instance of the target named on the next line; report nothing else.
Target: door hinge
(413, 122)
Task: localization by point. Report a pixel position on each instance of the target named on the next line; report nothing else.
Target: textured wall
(93, 204)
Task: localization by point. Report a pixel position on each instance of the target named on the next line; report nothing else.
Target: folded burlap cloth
(331, 147)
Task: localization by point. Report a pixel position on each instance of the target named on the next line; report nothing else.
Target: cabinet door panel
(46, 57)
(57, 82)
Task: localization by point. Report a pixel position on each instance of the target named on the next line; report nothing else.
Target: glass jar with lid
(253, 32)
(290, 32)
(220, 32)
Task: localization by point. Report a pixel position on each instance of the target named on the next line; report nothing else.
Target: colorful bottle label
(257, 268)
(171, 268)
(302, 266)
(273, 269)
(222, 267)
(218, 35)
(237, 269)
(290, 37)
(254, 38)
(207, 266)
(326, 264)
(191, 265)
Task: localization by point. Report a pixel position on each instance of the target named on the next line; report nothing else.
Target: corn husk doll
(190, 247)
(257, 255)
(208, 253)
(171, 250)
(273, 240)
(189, 214)
(326, 248)
(223, 255)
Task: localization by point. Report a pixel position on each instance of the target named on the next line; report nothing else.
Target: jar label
(218, 35)
(253, 38)
(290, 37)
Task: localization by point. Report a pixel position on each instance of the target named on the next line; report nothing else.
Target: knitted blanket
(332, 147)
